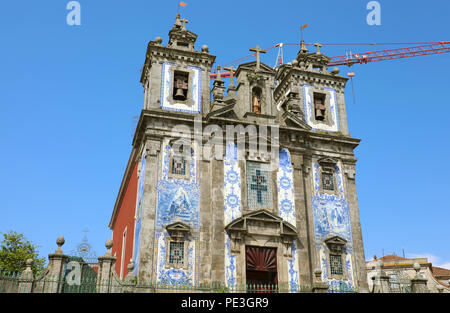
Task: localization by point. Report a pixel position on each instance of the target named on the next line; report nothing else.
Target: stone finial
(440, 288)
(416, 267)
(60, 242)
(294, 63)
(158, 40)
(335, 71)
(108, 244)
(318, 275)
(130, 266)
(205, 49)
(29, 264)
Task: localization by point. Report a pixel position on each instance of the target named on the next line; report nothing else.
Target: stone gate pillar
(56, 266)
(105, 269)
(418, 283)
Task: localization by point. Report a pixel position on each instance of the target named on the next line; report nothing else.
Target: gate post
(56, 267)
(26, 279)
(105, 269)
(418, 284)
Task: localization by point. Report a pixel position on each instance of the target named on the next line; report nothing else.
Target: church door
(261, 264)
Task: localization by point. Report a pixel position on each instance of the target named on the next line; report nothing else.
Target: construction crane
(423, 48)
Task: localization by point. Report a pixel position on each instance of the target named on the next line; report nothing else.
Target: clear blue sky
(68, 95)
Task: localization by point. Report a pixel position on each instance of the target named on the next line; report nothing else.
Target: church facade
(252, 185)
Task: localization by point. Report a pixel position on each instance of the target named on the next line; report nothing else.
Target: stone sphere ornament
(108, 244)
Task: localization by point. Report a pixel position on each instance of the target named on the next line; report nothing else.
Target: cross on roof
(218, 72)
(258, 50)
(231, 69)
(318, 46)
(184, 21)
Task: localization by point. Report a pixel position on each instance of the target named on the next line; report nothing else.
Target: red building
(122, 220)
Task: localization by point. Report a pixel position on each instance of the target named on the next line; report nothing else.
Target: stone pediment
(335, 240)
(335, 243)
(262, 222)
(251, 66)
(293, 120)
(224, 109)
(178, 227)
(327, 163)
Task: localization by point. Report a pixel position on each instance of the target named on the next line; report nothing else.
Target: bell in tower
(180, 86)
(319, 107)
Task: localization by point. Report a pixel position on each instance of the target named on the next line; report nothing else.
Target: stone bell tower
(176, 76)
(310, 102)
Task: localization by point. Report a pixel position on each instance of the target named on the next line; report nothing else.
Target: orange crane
(423, 48)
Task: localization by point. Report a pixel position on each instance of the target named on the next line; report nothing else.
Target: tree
(15, 250)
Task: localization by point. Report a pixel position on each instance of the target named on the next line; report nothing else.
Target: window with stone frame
(327, 176)
(176, 245)
(259, 185)
(336, 264)
(328, 181)
(178, 165)
(176, 253)
(179, 162)
(336, 256)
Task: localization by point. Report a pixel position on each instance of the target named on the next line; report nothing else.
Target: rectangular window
(327, 181)
(122, 255)
(176, 253)
(336, 264)
(259, 185)
(178, 165)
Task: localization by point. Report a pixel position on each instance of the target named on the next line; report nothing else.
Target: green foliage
(15, 250)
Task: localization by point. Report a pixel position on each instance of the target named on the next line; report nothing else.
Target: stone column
(358, 247)
(56, 266)
(319, 286)
(314, 261)
(147, 245)
(418, 283)
(105, 269)
(206, 216)
(380, 280)
(26, 279)
(302, 221)
(218, 229)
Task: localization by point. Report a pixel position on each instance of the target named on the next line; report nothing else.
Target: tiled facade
(195, 216)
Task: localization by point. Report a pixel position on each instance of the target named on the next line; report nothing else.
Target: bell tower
(175, 77)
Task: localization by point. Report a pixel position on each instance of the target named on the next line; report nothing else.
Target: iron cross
(258, 50)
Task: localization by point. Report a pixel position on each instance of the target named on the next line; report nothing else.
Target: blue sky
(68, 96)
